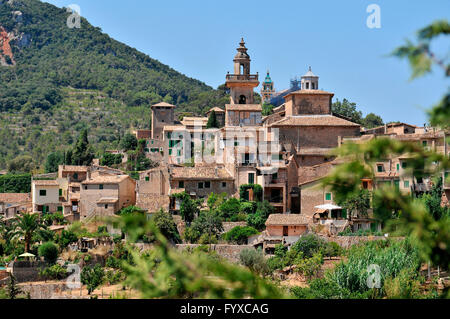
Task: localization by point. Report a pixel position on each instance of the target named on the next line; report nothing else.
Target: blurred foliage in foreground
(165, 272)
(403, 212)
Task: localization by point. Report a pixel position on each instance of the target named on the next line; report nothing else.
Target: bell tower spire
(241, 83)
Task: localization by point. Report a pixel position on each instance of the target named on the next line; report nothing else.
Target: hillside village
(246, 163)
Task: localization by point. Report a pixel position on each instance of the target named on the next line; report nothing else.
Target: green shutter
(398, 167)
(406, 184)
(344, 213)
(147, 178)
(60, 192)
(397, 183)
(251, 178)
(328, 196)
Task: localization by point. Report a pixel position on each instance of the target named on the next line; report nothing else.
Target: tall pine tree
(212, 120)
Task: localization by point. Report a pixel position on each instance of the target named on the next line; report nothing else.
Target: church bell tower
(242, 83)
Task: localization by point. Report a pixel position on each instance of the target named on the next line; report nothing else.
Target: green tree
(267, 109)
(26, 225)
(189, 208)
(358, 203)
(372, 120)
(239, 234)
(347, 109)
(254, 259)
(12, 289)
(212, 120)
(166, 225)
(21, 164)
(208, 223)
(49, 251)
(128, 142)
(53, 161)
(92, 277)
(82, 153)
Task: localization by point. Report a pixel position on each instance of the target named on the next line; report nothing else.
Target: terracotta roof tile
(243, 107)
(45, 182)
(73, 168)
(313, 120)
(216, 109)
(286, 219)
(163, 104)
(106, 179)
(200, 173)
(15, 197)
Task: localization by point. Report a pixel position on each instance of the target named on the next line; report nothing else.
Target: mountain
(54, 80)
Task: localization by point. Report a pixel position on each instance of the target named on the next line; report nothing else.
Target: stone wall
(50, 290)
(227, 226)
(230, 252)
(348, 241)
(27, 271)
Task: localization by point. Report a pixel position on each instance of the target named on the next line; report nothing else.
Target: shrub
(66, 238)
(405, 285)
(113, 262)
(310, 267)
(206, 239)
(254, 260)
(113, 277)
(332, 249)
(49, 251)
(308, 245)
(239, 234)
(229, 208)
(258, 219)
(55, 272)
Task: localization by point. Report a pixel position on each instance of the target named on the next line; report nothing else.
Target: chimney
(385, 128)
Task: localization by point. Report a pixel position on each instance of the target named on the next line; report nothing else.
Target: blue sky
(199, 37)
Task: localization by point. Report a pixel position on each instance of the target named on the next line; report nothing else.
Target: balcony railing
(242, 77)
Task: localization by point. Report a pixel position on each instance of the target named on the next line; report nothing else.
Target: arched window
(307, 85)
(242, 99)
(241, 69)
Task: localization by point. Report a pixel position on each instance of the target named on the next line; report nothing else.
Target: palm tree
(25, 226)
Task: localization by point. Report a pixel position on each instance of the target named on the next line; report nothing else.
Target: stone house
(104, 195)
(13, 203)
(46, 196)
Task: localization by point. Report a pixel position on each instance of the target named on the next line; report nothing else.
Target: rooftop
(286, 220)
(72, 168)
(243, 107)
(106, 179)
(216, 109)
(309, 92)
(313, 120)
(200, 173)
(163, 104)
(45, 182)
(15, 197)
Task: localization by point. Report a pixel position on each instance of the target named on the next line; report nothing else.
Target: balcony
(421, 187)
(242, 77)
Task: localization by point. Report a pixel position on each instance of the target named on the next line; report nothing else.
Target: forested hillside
(56, 80)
